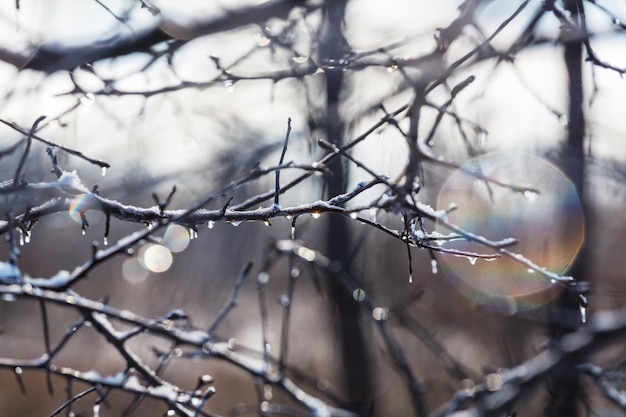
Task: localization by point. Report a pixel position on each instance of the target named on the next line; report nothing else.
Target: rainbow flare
(549, 227)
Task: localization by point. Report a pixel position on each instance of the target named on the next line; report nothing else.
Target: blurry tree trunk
(565, 317)
(349, 332)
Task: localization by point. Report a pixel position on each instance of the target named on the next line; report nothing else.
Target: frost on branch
(389, 262)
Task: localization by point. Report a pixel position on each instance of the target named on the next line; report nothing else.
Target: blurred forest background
(445, 237)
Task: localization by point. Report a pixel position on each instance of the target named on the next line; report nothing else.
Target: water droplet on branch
(300, 59)
(88, 99)
(583, 313)
(531, 196)
(261, 39)
(229, 85)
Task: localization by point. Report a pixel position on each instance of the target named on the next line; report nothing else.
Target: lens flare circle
(133, 272)
(546, 219)
(78, 205)
(176, 238)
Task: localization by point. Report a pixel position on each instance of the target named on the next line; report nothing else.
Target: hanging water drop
(105, 241)
(316, 214)
(88, 99)
(284, 300)
(210, 224)
(21, 237)
(235, 223)
(230, 86)
(472, 259)
(300, 59)
(410, 278)
(433, 266)
(8, 297)
(83, 231)
(27, 237)
(267, 222)
(531, 196)
(392, 67)
(583, 313)
(261, 39)
(104, 171)
(293, 232)
(481, 138)
(354, 215)
(373, 214)
(96, 410)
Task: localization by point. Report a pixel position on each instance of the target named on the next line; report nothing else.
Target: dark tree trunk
(564, 315)
(349, 331)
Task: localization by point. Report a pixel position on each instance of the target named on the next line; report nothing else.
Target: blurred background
(198, 94)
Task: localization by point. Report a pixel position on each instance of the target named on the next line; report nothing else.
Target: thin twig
(233, 299)
(280, 162)
(70, 151)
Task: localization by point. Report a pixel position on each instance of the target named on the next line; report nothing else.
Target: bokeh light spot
(358, 294)
(176, 238)
(547, 220)
(156, 258)
(133, 272)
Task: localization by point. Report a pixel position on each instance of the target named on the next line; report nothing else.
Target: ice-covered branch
(502, 389)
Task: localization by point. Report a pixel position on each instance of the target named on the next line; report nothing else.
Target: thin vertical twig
(46, 341)
(280, 162)
(233, 299)
(261, 290)
(29, 141)
(286, 302)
